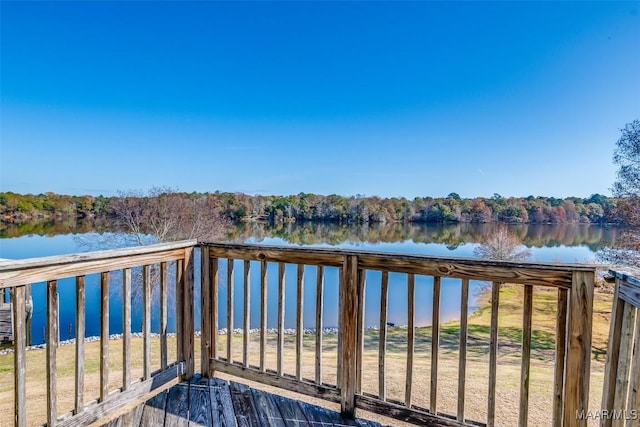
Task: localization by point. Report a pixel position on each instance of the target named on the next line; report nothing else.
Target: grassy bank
(510, 333)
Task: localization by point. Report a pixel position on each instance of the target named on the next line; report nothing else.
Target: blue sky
(375, 98)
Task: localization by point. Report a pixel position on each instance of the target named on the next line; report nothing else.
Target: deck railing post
(206, 351)
(349, 333)
(577, 366)
(187, 338)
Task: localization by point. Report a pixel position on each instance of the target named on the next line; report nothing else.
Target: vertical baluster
(215, 322)
(624, 363)
(526, 356)
(411, 284)
(341, 280)
(146, 321)
(633, 400)
(360, 335)
(319, 327)
(349, 332)
(80, 332)
(462, 357)
(28, 300)
(493, 354)
(229, 310)
(126, 328)
(435, 344)
(52, 345)
(578, 362)
(561, 343)
(247, 313)
(281, 285)
(382, 346)
(299, 320)
(263, 315)
(163, 317)
(613, 356)
(179, 308)
(104, 335)
(19, 356)
(205, 310)
(188, 326)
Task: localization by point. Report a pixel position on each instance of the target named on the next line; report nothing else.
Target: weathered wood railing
(621, 392)
(574, 284)
(355, 272)
(15, 274)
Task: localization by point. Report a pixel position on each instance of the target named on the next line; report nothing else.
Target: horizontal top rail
(19, 272)
(628, 285)
(548, 274)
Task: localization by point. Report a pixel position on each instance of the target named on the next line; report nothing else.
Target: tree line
(359, 209)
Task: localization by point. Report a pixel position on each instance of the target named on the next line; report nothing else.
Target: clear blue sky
(384, 98)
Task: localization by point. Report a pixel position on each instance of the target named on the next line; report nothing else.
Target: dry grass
(510, 324)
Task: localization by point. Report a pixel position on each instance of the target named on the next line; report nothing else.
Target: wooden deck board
(216, 402)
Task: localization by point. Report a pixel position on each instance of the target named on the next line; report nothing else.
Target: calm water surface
(547, 243)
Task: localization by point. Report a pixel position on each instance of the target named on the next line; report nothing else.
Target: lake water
(563, 243)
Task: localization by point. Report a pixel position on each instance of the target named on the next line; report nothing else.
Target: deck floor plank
(268, 413)
(199, 403)
(291, 412)
(222, 411)
(177, 408)
(216, 402)
(153, 413)
(243, 404)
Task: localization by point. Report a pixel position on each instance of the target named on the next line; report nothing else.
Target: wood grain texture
(104, 335)
(119, 399)
(382, 344)
(215, 320)
(399, 412)
(15, 273)
(523, 415)
(360, 335)
(19, 356)
(411, 330)
(263, 315)
(154, 410)
(561, 351)
(613, 354)
(164, 301)
(179, 308)
(349, 318)
(246, 326)
(79, 344)
(319, 322)
(188, 326)
(629, 292)
(633, 400)
(243, 405)
(281, 288)
(199, 403)
(435, 345)
(126, 328)
(177, 408)
(222, 412)
(52, 345)
(621, 390)
(286, 382)
(291, 412)
(267, 409)
(146, 322)
(299, 319)
(576, 382)
(493, 354)
(462, 354)
(230, 310)
(206, 343)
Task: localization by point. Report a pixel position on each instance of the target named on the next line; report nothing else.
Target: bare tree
(501, 244)
(627, 187)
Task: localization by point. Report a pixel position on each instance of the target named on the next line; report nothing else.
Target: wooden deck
(216, 402)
